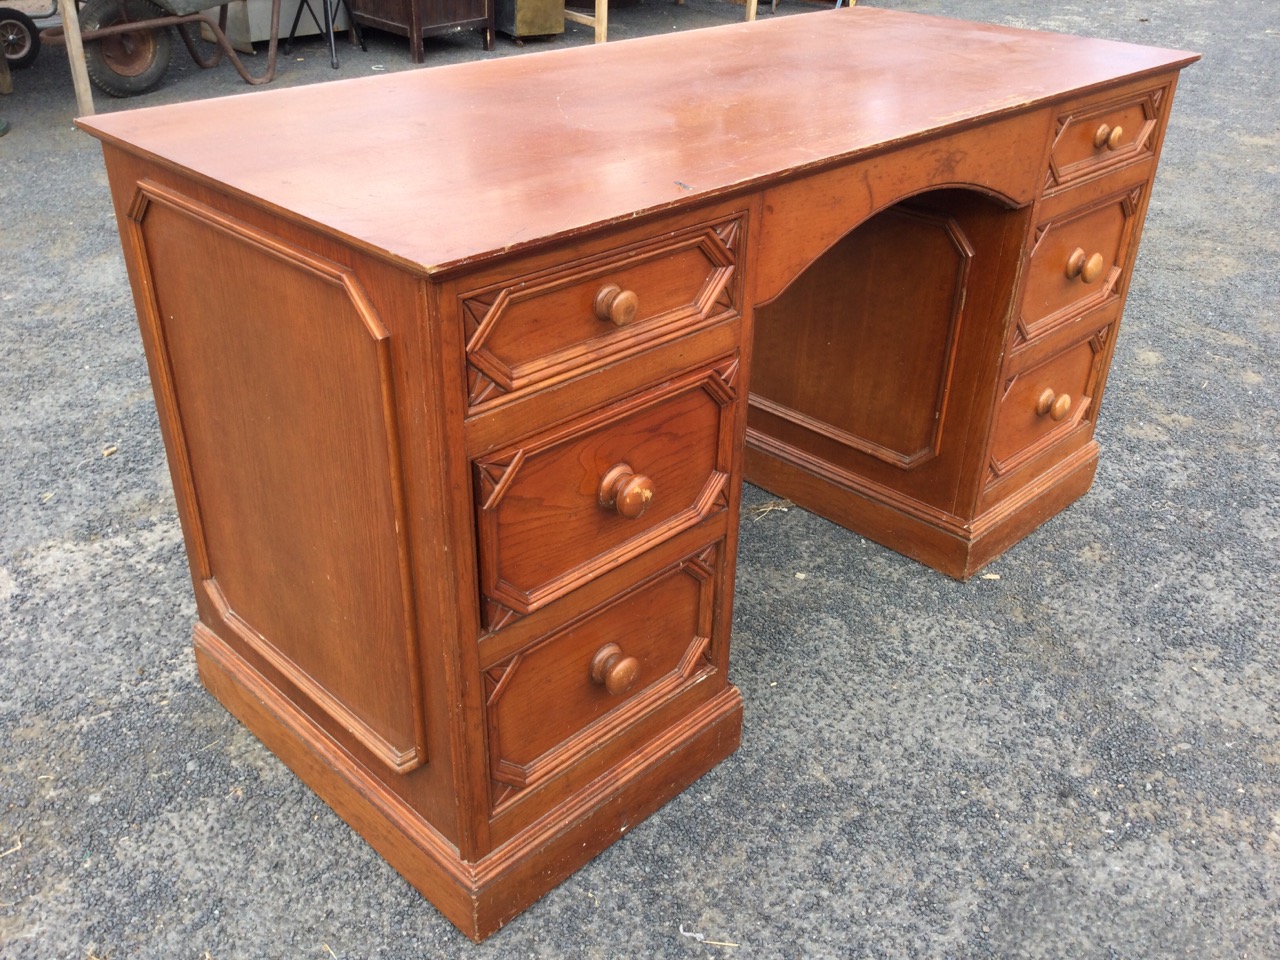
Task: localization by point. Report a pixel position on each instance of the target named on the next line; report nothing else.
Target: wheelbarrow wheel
(125, 64)
(18, 36)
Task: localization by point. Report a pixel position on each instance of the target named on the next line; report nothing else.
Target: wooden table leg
(598, 19)
(75, 56)
(6, 79)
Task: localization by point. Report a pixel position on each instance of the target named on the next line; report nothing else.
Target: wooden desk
(457, 436)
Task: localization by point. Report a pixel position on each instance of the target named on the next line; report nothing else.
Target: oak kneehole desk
(460, 372)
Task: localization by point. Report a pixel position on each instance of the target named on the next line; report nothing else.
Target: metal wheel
(125, 64)
(18, 36)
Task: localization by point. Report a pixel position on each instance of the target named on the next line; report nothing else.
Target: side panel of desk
(259, 333)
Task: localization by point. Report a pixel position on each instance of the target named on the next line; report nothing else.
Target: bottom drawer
(603, 683)
(1046, 403)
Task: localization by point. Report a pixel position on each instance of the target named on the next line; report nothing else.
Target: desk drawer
(1095, 137)
(602, 679)
(1078, 260)
(1047, 402)
(561, 507)
(534, 328)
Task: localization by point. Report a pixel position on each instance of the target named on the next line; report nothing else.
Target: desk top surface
(442, 166)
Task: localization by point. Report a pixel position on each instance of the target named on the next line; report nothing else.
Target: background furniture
(416, 19)
(326, 20)
(249, 21)
(598, 18)
(458, 459)
(529, 18)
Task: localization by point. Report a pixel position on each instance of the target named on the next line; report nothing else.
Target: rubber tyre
(125, 64)
(18, 36)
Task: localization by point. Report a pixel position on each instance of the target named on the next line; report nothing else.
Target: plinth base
(477, 897)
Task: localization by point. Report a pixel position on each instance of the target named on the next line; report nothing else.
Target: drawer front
(539, 327)
(576, 690)
(1047, 402)
(1077, 261)
(564, 506)
(1095, 137)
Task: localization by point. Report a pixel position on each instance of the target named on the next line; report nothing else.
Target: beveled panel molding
(398, 736)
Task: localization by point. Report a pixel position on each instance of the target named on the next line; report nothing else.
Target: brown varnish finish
(458, 439)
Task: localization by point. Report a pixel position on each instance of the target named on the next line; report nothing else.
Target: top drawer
(535, 328)
(1094, 137)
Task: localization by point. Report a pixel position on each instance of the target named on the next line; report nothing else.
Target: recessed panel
(860, 346)
(279, 379)
(564, 506)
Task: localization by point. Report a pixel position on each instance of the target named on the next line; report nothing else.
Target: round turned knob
(616, 305)
(1045, 402)
(627, 492)
(612, 670)
(1087, 268)
(1056, 405)
(1107, 136)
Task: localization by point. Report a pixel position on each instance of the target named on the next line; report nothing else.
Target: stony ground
(1078, 759)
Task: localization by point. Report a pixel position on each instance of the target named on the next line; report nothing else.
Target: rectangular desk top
(438, 167)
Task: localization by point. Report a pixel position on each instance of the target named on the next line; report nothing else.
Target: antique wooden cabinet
(458, 443)
(417, 19)
(529, 18)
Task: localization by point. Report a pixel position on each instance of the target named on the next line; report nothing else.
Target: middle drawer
(559, 508)
(1078, 259)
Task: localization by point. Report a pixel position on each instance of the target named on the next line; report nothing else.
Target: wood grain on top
(441, 166)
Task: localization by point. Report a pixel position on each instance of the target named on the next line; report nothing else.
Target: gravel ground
(1078, 759)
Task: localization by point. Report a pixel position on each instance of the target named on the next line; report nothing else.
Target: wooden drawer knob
(612, 670)
(1087, 268)
(627, 492)
(617, 306)
(1107, 136)
(1056, 405)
